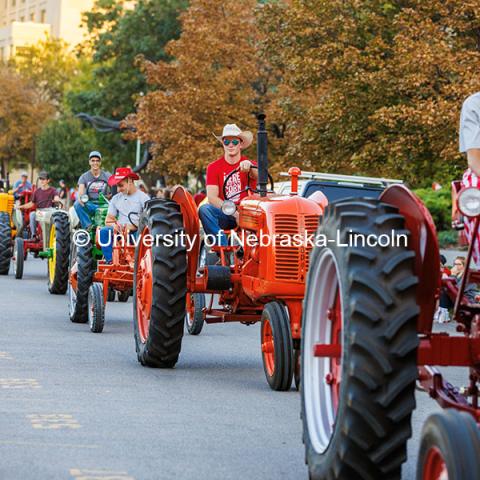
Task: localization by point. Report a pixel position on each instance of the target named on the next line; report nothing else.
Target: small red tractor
(93, 281)
(254, 282)
(367, 342)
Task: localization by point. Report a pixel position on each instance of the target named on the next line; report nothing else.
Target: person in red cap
(124, 207)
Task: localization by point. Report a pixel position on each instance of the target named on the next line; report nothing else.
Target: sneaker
(444, 316)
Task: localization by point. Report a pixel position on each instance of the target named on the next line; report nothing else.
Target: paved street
(77, 405)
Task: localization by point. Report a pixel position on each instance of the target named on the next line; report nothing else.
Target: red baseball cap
(120, 174)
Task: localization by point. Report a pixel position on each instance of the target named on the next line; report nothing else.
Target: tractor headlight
(229, 207)
(469, 202)
(84, 198)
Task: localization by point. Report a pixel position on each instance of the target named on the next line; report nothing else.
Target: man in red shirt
(43, 197)
(214, 221)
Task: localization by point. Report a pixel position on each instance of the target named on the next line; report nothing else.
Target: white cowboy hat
(231, 130)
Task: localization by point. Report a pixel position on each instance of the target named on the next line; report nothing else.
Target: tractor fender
(191, 224)
(73, 217)
(423, 241)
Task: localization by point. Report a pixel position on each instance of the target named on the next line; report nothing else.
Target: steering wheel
(131, 221)
(103, 190)
(254, 190)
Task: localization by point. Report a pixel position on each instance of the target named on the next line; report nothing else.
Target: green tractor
(84, 255)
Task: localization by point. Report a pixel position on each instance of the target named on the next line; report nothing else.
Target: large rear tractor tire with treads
(359, 346)
(160, 281)
(59, 243)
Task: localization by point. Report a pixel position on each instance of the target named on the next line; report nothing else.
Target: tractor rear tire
(18, 257)
(194, 325)
(360, 304)
(162, 272)
(5, 243)
(58, 265)
(96, 308)
(85, 269)
(450, 444)
(123, 296)
(277, 346)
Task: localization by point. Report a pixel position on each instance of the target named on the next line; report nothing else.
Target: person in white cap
(470, 144)
(233, 140)
(21, 185)
(95, 180)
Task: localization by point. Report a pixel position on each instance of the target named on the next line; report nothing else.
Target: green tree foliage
(216, 78)
(22, 113)
(375, 86)
(117, 37)
(49, 66)
(439, 203)
(63, 147)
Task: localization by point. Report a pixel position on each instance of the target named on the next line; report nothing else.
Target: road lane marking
(88, 474)
(53, 421)
(18, 383)
(5, 356)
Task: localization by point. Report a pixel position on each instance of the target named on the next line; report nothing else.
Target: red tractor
(254, 282)
(367, 342)
(93, 281)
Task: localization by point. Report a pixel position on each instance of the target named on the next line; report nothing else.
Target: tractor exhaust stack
(262, 158)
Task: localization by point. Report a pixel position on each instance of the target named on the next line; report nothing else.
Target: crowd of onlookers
(69, 195)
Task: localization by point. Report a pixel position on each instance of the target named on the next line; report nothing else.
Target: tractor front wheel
(96, 308)
(59, 243)
(359, 346)
(449, 448)
(81, 260)
(277, 346)
(18, 257)
(160, 286)
(5, 243)
(194, 316)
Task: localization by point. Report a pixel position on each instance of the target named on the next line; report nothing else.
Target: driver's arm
(26, 206)
(473, 157)
(81, 191)
(213, 198)
(111, 220)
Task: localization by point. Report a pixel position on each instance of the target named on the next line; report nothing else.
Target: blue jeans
(106, 237)
(214, 220)
(83, 212)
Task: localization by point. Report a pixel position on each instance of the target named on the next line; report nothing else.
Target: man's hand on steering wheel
(245, 166)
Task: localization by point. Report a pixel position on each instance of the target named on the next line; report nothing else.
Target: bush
(439, 203)
(448, 238)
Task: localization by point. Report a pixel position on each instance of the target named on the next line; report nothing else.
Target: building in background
(25, 22)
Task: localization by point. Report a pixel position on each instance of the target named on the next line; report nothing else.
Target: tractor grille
(311, 224)
(287, 258)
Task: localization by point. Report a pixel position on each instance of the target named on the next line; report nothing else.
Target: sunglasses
(227, 142)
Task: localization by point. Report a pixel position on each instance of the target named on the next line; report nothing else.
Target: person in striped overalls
(470, 144)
